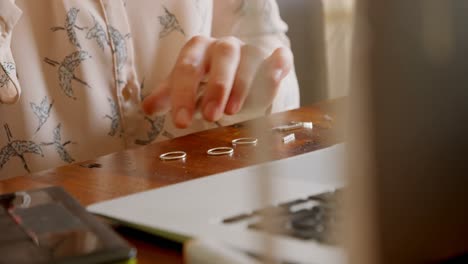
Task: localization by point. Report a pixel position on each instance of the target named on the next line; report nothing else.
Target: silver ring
(220, 151)
(25, 199)
(173, 155)
(244, 141)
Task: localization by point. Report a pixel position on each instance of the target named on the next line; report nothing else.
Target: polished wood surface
(141, 169)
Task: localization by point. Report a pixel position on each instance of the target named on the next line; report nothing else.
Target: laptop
(225, 207)
(406, 196)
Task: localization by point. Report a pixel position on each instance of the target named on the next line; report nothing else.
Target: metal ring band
(244, 141)
(220, 151)
(173, 155)
(25, 199)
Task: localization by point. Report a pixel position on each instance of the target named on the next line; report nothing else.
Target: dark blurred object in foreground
(410, 132)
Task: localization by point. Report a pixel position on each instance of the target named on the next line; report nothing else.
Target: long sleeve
(258, 22)
(9, 86)
(83, 65)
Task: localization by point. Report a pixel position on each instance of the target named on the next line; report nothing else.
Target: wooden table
(140, 169)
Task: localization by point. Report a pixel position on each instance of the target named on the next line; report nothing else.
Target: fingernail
(161, 107)
(155, 107)
(183, 117)
(212, 110)
(234, 107)
(277, 74)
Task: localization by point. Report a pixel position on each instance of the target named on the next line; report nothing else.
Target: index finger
(190, 68)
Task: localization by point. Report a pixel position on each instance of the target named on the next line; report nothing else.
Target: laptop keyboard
(313, 218)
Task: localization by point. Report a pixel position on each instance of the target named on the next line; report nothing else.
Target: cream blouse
(73, 72)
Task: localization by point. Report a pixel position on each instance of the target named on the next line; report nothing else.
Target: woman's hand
(237, 74)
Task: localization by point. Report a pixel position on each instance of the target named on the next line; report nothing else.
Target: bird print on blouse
(4, 79)
(156, 124)
(42, 111)
(70, 27)
(167, 134)
(98, 33)
(59, 146)
(119, 47)
(18, 148)
(115, 127)
(66, 71)
(8, 69)
(169, 23)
